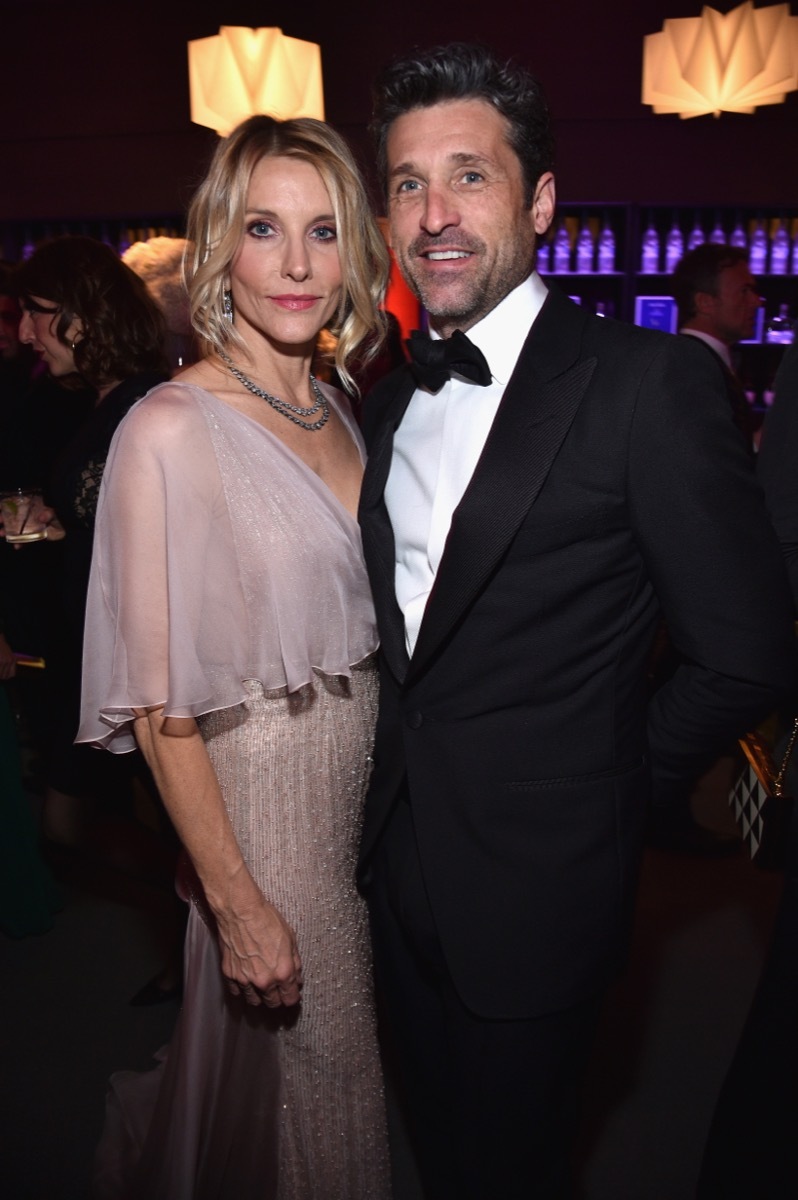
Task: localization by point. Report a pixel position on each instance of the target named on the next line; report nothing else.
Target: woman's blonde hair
(216, 222)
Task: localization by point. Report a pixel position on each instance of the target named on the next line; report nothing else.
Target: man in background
(717, 299)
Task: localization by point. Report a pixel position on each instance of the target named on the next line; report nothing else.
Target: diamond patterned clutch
(758, 799)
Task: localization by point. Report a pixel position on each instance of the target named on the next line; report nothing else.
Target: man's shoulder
(601, 336)
(609, 338)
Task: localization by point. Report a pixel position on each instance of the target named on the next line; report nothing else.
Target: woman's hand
(260, 959)
(259, 954)
(54, 531)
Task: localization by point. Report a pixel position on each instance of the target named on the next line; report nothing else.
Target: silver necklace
(293, 412)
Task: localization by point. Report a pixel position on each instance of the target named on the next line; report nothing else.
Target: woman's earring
(227, 305)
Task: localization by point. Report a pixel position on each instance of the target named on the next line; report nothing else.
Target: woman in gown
(232, 637)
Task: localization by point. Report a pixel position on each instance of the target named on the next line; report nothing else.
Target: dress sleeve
(165, 619)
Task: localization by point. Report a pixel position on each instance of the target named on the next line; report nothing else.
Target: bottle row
(19, 241)
(588, 244)
(583, 245)
(771, 244)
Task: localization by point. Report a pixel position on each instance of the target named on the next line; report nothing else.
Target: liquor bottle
(562, 250)
(543, 257)
(778, 330)
(758, 250)
(717, 237)
(674, 246)
(649, 258)
(606, 248)
(779, 250)
(737, 236)
(28, 245)
(585, 247)
(697, 237)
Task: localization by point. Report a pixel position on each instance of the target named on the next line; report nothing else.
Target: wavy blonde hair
(216, 223)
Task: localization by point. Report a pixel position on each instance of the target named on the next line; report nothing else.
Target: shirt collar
(502, 332)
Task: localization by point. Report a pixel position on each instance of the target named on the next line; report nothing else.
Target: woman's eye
(260, 229)
(325, 233)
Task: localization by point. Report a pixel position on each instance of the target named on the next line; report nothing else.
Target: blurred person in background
(92, 323)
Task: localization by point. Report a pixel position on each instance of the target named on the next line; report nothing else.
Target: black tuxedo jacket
(612, 486)
(777, 464)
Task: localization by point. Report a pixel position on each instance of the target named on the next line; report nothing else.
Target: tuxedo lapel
(379, 546)
(535, 414)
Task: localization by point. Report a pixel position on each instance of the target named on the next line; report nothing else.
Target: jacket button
(415, 720)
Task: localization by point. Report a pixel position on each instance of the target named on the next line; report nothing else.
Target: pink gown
(228, 584)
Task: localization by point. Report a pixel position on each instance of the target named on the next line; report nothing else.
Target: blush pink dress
(228, 585)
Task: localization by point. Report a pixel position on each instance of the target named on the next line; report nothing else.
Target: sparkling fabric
(282, 1105)
(248, 1102)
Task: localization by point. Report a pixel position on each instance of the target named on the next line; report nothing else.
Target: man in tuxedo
(717, 299)
(533, 498)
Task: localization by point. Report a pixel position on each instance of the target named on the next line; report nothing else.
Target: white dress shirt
(438, 444)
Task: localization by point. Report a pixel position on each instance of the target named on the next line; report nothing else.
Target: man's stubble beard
(475, 298)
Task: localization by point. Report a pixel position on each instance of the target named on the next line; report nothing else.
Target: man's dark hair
(467, 72)
(699, 271)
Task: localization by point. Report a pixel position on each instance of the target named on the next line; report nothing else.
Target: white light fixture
(243, 71)
(718, 62)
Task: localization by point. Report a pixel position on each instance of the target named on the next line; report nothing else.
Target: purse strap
(778, 782)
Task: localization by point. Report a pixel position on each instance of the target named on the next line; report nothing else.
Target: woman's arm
(259, 952)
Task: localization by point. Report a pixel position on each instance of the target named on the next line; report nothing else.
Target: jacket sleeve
(777, 467)
(714, 561)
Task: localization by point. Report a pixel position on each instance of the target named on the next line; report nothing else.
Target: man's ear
(704, 303)
(543, 203)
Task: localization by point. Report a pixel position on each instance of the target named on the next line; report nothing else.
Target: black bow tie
(435, 361)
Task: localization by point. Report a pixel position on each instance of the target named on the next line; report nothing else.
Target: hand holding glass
(23, 518)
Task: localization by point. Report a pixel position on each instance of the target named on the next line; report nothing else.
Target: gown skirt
(252, 1102)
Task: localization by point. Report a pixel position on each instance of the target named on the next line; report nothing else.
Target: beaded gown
(228, 584)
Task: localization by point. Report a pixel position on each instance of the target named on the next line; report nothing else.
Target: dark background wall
(95, 113)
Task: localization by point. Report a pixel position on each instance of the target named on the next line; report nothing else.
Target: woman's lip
(296, 303)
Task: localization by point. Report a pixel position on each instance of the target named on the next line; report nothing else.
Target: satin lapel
(535, 414)
(378, 540)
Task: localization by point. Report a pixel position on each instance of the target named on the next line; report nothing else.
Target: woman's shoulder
(169, 412)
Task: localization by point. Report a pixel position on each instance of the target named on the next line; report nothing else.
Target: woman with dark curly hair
(93, 323)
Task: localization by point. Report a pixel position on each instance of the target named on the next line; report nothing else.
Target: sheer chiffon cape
(203, 574)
